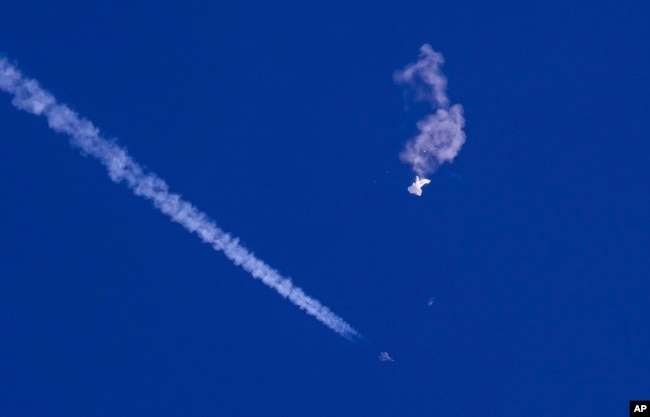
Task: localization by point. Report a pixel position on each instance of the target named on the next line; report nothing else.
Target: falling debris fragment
(384, 357)
(430, 303)
(416, 187)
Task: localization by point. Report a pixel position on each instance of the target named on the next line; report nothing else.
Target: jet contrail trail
(29, 96)
(440, 134)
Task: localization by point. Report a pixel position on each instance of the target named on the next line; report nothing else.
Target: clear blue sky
(282, 122)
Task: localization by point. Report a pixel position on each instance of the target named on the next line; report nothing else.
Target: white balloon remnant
(416, 187)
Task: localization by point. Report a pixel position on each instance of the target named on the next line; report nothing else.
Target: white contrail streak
(440, 134)
(29, 96)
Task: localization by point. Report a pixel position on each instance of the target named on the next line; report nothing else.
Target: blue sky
(282, 122)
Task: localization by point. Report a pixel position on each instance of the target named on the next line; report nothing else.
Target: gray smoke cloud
(440, 134)
(121, 167)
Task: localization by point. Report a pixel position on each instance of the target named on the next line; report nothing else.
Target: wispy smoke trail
(29, 96)
(440, 134)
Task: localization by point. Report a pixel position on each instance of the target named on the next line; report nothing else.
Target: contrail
(29, 96)
(440, 134)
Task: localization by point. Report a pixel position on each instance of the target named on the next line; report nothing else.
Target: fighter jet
(416, 187)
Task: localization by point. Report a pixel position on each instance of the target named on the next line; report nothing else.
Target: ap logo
(640, 408)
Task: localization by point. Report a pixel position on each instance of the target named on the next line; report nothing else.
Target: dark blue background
(282, 122)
